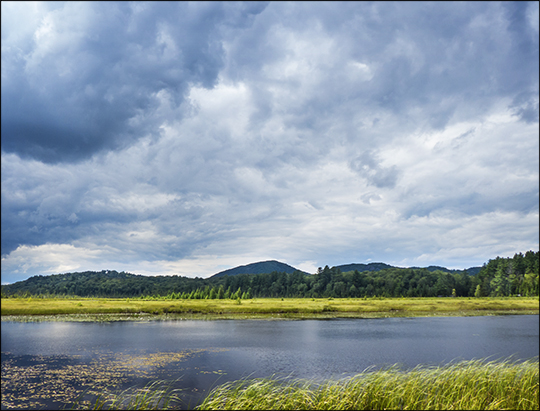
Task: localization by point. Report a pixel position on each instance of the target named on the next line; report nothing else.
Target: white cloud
(226, 107)
(359, 71)
(48, 259)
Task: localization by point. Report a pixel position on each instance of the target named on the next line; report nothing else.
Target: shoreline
(143, 317)
(109, 309)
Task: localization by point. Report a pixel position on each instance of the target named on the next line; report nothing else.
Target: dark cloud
(91, 81)
(519, 27)
(442, 60)
(474, 204)
(525, 106)
(367, 166)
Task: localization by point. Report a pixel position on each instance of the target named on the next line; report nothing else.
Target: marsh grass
(132, 309)
(467, 385)
(158, 395)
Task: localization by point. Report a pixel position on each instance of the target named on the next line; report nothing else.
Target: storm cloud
(186, 138)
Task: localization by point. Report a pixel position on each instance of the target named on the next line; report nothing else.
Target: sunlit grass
(468, 385)
(270, 307)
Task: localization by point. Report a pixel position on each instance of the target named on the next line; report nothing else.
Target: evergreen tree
(220, 293)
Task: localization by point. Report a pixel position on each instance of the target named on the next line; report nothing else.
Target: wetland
(52, 364)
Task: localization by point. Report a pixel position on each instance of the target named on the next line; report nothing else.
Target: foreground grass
(468, 385)
(110, 309)
(158, 395)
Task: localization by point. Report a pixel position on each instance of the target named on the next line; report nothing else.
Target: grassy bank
(109, 309)
(469, 385)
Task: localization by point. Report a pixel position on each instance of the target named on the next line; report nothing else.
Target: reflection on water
(49, 365)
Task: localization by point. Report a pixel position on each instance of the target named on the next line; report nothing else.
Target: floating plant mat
(58, 381)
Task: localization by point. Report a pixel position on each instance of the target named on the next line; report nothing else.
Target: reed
(158, 395)
(467, 385)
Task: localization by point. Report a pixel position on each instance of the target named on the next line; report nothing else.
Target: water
(49, 364)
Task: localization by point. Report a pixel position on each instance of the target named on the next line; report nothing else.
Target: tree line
(499, 277)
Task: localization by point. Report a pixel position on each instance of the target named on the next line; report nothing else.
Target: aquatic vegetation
(465, 385)
(55, 380)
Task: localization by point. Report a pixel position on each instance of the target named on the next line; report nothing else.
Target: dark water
(48, 364)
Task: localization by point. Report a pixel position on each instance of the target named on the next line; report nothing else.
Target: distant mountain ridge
(470, 270)
(266, 267)
(262, 267)
(363, 267)
(383, 266)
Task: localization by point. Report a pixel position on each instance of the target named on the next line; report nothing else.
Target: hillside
(263, 267)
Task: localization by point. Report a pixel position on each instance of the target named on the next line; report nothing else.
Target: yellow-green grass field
(108, 309)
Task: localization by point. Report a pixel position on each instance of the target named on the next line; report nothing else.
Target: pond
(47, 365)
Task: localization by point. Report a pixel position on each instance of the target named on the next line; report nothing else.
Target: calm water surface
(63, 359)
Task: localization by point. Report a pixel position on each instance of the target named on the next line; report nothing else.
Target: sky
(188, 138)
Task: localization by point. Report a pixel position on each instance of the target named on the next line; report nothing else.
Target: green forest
(499, 277)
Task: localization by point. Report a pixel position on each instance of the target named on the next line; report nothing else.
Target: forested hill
(263, 267)
(383, 266)
(470, 271)
(499, 277)
(266, 267)
(364, 267)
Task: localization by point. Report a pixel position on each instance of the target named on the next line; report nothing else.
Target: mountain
(473, 270)
(470, 271)
(263, 267)
(382, 266)
(364, 267)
